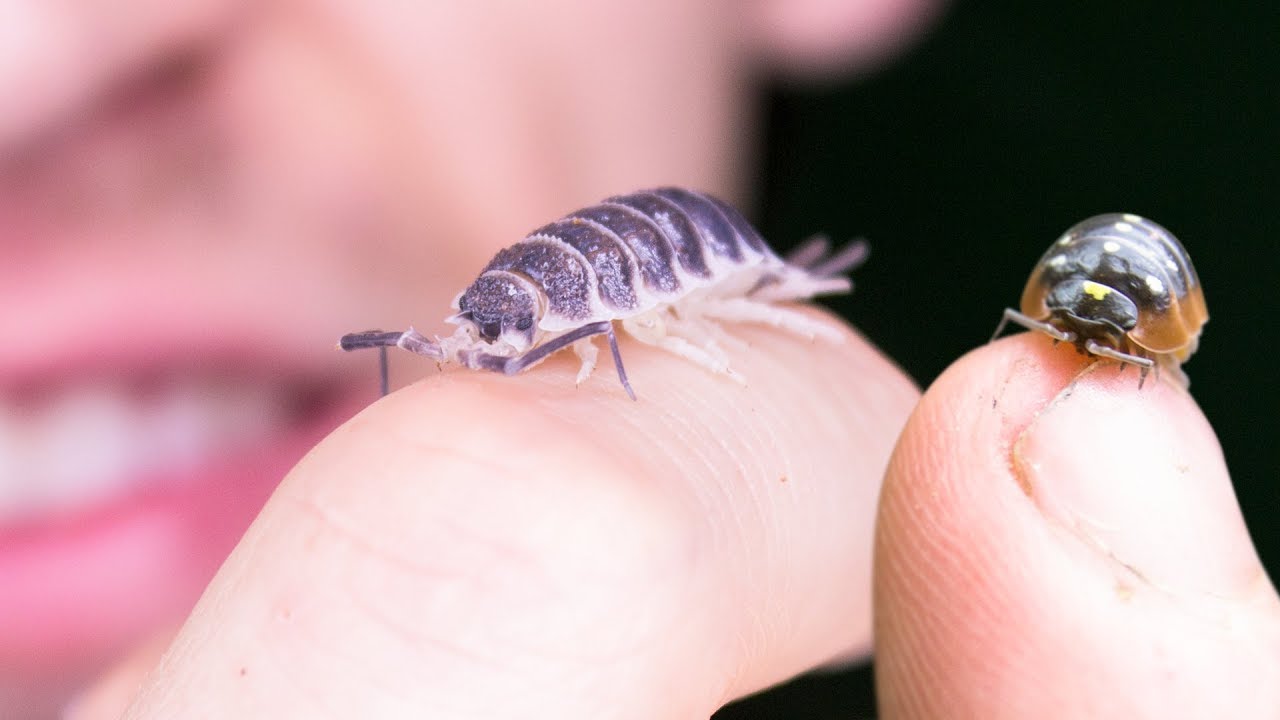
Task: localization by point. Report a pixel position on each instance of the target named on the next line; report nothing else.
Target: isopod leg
(1144, 364)
(617, 362)
(656, 335)
(519, 363)
(746, 310)
(587, 352)
(1031, 324)
(707, 333)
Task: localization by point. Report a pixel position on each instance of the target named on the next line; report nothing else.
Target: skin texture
(554, 552)
(409, 566)
(1053, 540)
(216, 190)
(480, 546)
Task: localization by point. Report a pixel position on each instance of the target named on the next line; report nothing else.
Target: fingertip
(943, 537)
(786, 464)
(1046, 528)
(704, 542)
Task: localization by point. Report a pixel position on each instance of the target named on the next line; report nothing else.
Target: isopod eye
(491, 330)
(524, 324)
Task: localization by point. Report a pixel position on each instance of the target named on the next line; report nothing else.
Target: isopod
(667, 263)
(1118, 286)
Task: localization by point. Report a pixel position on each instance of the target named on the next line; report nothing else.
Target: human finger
(479, 545)
(1055, 541)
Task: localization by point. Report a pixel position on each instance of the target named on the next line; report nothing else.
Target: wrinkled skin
(204, 195)
(217, 190)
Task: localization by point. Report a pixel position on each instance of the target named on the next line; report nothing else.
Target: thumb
(1055, 541)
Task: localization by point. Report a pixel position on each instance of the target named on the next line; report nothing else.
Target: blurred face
(190, 218)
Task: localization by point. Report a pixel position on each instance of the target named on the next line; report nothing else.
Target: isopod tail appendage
(809, 252)
(812, 269)
(842, 261)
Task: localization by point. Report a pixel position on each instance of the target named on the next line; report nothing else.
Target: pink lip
(87, 586)
(100, 279)
(76, 591)
(100, 313)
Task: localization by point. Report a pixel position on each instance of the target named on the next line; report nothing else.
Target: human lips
(91, 440)
(147, 409)
(167, 321)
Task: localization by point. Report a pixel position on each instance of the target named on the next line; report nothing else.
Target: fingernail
(1138, 478)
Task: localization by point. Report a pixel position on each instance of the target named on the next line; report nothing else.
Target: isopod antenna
(384, 372)
(410, 340)
(416, 342)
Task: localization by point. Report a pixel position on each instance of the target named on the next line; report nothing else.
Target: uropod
(1117, 286)
(668, 264)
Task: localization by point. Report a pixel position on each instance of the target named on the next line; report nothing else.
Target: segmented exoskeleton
(667, 263)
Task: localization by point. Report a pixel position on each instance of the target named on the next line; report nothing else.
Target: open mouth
(67, 449)
(149, 405)
(121, 494)
(160, 372)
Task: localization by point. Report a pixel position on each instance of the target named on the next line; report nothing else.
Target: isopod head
(502, 308)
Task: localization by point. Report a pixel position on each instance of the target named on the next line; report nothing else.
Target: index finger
(488, 546)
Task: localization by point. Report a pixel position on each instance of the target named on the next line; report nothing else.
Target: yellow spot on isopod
(1096, 291)
(1111, 246)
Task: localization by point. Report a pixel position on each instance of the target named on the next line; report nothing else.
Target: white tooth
(83, 448)
(177, 430)
(96, 441)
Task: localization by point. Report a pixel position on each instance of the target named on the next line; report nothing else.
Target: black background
(1011, 121)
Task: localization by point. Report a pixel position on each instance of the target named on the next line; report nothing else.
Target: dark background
(964, 159)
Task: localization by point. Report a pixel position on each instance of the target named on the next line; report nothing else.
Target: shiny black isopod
(1117, 286)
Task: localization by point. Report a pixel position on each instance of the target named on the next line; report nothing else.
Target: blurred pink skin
(222, 188)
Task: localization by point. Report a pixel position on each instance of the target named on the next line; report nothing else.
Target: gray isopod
(668, 263)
